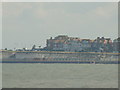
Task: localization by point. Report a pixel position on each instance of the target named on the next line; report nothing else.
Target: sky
(27, 24)
(0, 25)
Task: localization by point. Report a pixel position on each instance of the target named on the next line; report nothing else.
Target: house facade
(65, 43)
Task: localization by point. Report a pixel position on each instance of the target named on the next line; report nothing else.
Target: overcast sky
(26, 24)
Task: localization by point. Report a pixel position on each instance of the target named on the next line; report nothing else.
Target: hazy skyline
(26, 24)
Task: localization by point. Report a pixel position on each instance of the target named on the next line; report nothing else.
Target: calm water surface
(26, 75)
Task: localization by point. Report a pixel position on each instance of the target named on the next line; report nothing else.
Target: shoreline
(62, 62)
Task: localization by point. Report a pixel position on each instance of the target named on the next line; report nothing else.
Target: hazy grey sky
(26, 24)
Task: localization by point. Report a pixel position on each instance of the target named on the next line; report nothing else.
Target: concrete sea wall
(53, 56)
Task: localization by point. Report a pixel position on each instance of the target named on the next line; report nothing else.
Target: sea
(39, 75)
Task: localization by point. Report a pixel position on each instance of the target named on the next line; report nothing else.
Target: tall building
(56, 43)
(65, 43)
(116, 45)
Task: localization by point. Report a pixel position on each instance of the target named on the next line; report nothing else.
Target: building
(57, 43)
(116, 45)
(102, 45)
(65, 43)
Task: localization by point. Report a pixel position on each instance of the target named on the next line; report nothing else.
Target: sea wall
(53, 57)
(82, 56)
(6, 54)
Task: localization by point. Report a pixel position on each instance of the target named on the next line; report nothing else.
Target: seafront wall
(59, 56)
(6, 54)
(67, 56)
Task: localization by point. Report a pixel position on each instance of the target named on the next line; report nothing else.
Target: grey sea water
(26, 75)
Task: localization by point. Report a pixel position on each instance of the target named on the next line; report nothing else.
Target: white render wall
(32, 55)
(23, 55)
(6, 55)
(66, 56)
(28, 55)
